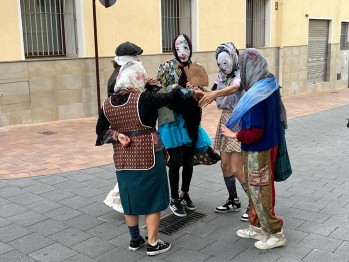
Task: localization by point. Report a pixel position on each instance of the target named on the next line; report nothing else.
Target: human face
(182, 49)
(225, 63)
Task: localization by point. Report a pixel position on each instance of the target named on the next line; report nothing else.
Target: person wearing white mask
(229, 148)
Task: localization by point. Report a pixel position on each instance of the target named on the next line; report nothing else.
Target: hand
(227, 132)
(152, 81)
(191, 86)
(123, 139)
(207, 98)
(198, 94)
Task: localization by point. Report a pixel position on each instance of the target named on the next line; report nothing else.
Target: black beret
(129, 49)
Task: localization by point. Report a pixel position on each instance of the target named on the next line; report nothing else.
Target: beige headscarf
(132, 75)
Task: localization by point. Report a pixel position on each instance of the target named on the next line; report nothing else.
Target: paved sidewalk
(61, 217)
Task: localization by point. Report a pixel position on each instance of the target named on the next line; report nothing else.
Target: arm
(246, 136)
(212, 95)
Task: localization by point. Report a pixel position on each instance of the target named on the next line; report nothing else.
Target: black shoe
(161, 247)
(137, 244)
(230, 205)
(244, 216)
(177, 208)
(187, 203)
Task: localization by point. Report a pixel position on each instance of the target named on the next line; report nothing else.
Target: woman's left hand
(227, 132)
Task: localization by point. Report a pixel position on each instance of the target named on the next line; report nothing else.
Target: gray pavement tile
(11, 209)
(223, 250)
(52, 180)
(311, 206)
(27, 218)
(70, 185)
(10, 191)
(96, 209)
(122, 240)
(99, 198)
(12, 232)
(323, 256)
(225, 234)
(254, 254)
(55, 252)
(21, 183)
(120, 254)
(43, 206)
(343, 249)
(98, 183)
(84, 222)
(69, 236)
(187, 255)
(106, 231)
(30, 243)
(294, 252)
(93, 170)
(16, 256)
(339, 211)
(81, 258)
(321, 242)
(200, 229)
(93, 247)
(311, 216)
(342, 232)
(47, 227)
(4, 248)
(81, 177)
(75, 202)
(294, 236)
(62, 213)
(114, 218)
(58, 194)
(193, 242)
(4, 201)
(4, 222)
(90, 191)
(40, 188)
(26, 198)
(322, 229)
(291, 223)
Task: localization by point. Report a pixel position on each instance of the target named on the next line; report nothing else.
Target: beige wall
(10, 44)
(137, 21)
(221, 21)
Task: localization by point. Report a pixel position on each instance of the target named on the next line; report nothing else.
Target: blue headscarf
(256, 80)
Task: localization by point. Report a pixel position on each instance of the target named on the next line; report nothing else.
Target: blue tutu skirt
(175, 134)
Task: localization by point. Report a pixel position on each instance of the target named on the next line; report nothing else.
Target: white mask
(182, 48)
(225, 63)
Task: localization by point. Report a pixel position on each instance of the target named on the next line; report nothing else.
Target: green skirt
(144, 191)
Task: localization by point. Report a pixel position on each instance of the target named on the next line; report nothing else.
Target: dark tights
(180, 156)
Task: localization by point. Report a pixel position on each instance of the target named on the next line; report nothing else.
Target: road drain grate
(171, 224)
(47, 133)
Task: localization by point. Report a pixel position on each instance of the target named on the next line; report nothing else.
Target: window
(175, 19)
(49, 28)
(255, 23)
(344, 43)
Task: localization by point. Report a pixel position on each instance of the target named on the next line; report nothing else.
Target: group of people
(247, 138)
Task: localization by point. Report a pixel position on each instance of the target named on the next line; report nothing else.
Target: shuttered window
(175, 19)
(317, 51)
(344, 43)
(255, 23)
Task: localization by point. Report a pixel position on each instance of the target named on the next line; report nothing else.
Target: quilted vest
(139, 154)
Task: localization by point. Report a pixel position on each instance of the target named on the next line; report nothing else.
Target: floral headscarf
(231, 50)
(253, 67)
(132, 75)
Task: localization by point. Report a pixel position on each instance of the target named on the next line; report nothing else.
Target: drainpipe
(281, 48)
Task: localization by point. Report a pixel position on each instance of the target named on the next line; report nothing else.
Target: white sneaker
(251, 232)
(271, 241)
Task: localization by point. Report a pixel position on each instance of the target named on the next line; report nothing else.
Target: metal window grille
(49, 27)
(255, 23)
(175, 19)
(344, 42)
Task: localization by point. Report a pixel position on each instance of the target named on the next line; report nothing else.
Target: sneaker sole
(153, 253)
(178, 215)
(226, 211)
(244, 219)
(254, 237)
(136, 248)
(279, 244)
(190, 208)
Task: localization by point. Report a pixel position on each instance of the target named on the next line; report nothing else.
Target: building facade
(47, 66)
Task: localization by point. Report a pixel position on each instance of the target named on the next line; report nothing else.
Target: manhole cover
(47, 133)
(171, 224)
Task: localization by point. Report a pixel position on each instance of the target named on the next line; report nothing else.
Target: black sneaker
(230, 205)
(177, 208)
(244, 216)
(187, 203)
(161, 247)
(137, 244)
